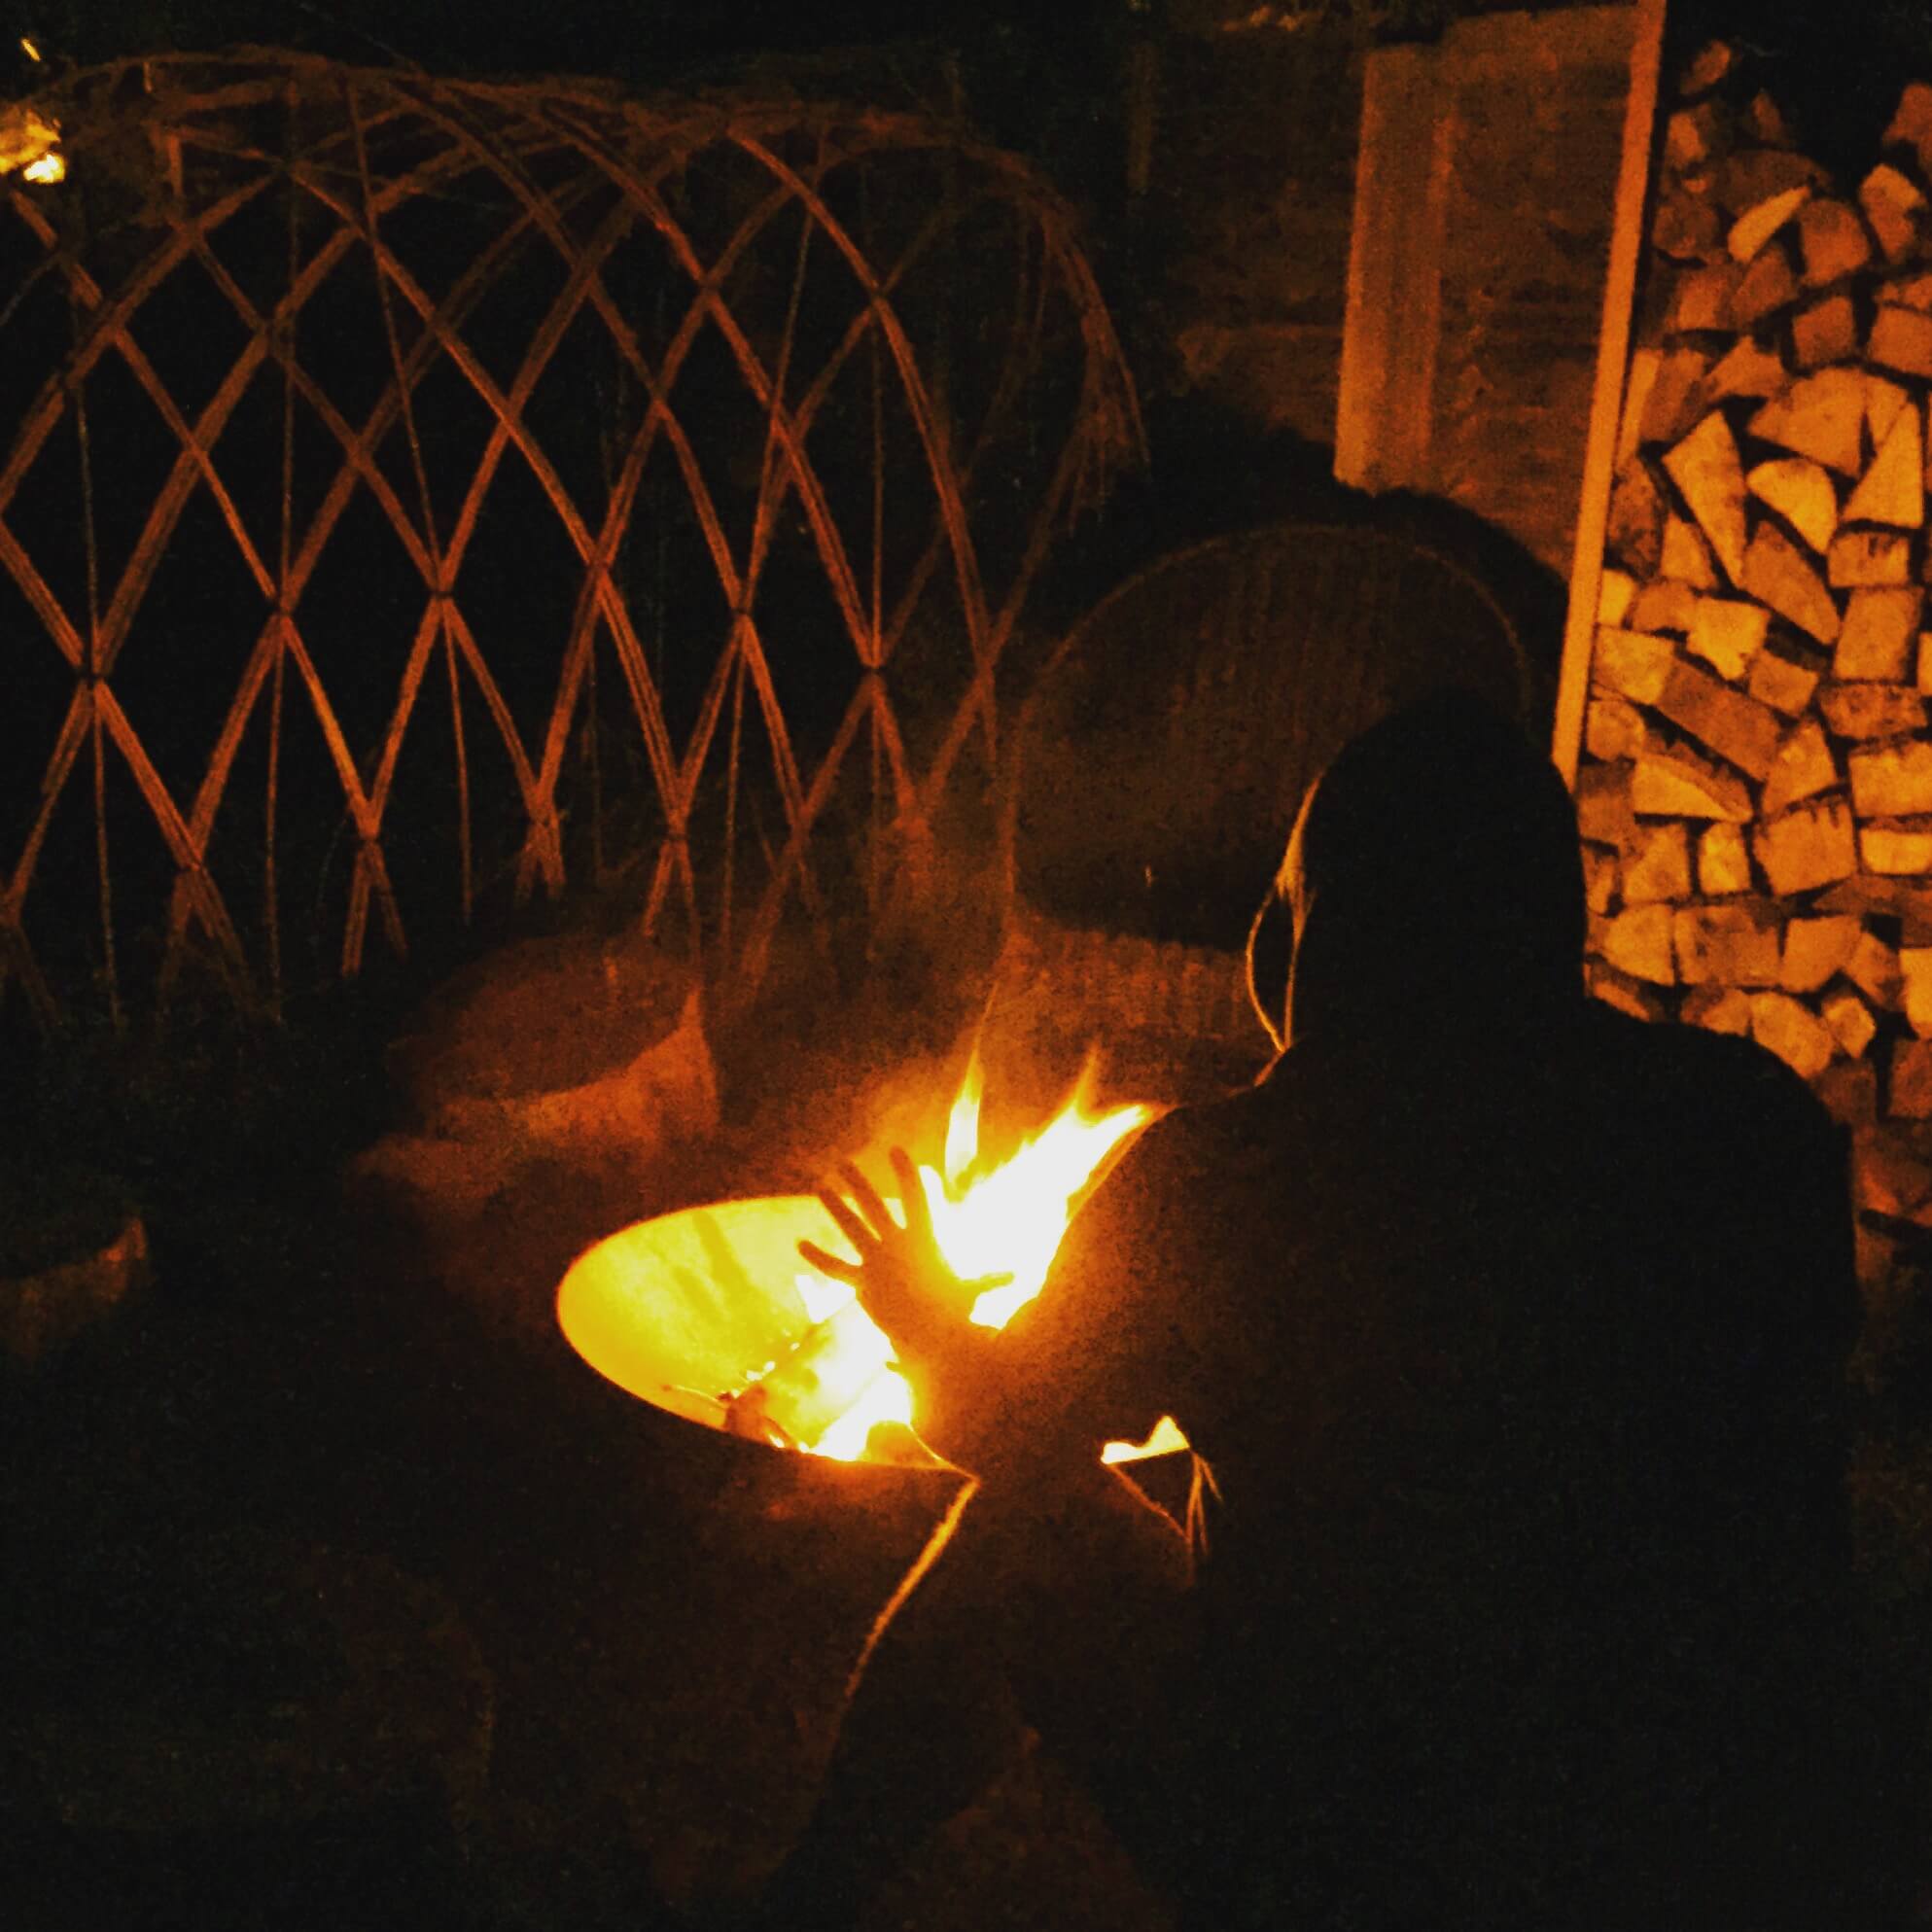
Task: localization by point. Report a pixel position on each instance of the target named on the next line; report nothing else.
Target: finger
(831, 1266)
(848, 1222)
(918, 1211)
(870, 1203)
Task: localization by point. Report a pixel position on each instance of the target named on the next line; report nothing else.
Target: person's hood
(1434, 880)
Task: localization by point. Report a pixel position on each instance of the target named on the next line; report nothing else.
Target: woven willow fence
(414, 494)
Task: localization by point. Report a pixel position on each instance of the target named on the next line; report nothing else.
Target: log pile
(1756, 788)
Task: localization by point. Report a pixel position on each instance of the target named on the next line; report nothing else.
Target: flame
(1010, 1221)
(30, 142)
(1007, 1220)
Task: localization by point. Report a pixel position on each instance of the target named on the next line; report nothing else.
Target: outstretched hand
(902, 1278)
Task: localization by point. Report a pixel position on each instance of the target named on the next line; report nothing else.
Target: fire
(30, 142)
(1006, 1219)
(1010, 1220)
(709, 1313)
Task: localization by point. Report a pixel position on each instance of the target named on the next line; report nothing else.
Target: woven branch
(708, 391)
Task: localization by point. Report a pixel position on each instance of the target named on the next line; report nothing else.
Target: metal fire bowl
(682, 1309)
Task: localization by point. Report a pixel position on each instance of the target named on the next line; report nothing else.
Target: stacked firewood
(1756, 790)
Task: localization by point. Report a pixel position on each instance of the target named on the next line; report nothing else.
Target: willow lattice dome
(415, 492)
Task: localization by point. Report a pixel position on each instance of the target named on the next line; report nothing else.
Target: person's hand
(903, 1280)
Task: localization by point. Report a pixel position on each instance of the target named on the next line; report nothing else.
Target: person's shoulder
(1699, 1074)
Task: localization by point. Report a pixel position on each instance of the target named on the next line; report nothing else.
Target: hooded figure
(1514, 1332)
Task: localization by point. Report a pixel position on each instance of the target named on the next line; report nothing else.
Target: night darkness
(328, 1496)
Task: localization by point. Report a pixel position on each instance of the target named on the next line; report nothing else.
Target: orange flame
(1008, 1219)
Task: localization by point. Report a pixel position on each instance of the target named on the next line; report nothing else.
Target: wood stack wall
(1755, 785)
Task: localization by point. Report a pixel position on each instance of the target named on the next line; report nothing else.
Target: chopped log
(1614, 728)
(1874, 969)
(1674, 399)
(1825, 333)
(1686, 556)
(1637, 941)
(1792, 1032)
(1616, 592)
(1619, 990)
(1755, 174)
(1909, 292)
(1814, 949)
(1599, 878)
(1871, 711)
(1635, 531)
(1726, 632)
(1852, 1026)
(1765, 123)
(1766, 288)
(1701, 298)
(1637, 382)
(1877, 635)
(1892, 781)
(1679, 785)
(1692, 135)
(1883, 399)
(1780, 683)
(1862, 897)
(1925, 661)
(1727, 722)
(1724, 860)
(1777, 572)
(1860, 558)
(1849, 1090)
(1801, 491)
(1831, 241)
(1820, 416)
(1894, 207)
(1604, 808)
(1717, 1009)
(1888, 1175)
(1664, 605)
(1660, 868)
(1808, 846)
(1909, 1092)
(1898, 848)
(1915, 913)
(1733, 944)
(1688, 226)
(1756, 226)
(1705, 467)
(1892, 490)
(1915, 987)
(1901, 338)
(1911, 124)
(1703, 71)
(1748, 369)
(1803, 768)
(1633, 664)
(1872, 558)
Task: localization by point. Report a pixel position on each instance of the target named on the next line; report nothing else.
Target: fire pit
(710, 1312)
